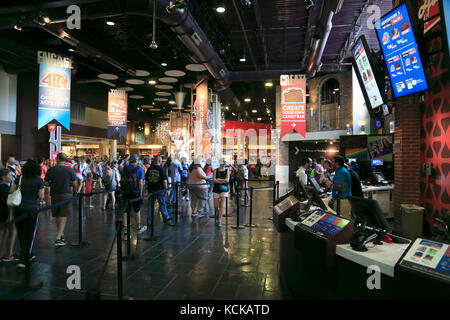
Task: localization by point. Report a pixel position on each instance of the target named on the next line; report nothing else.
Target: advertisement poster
(202, 136)
(117, 114)
(431, 254)
(365, 71)
(380, 147)
(401, 53)
(54, 88)
(293, 104)
(429, 12)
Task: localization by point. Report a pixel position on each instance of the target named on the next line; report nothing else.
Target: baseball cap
(134, 157)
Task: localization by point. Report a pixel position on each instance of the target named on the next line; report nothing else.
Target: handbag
(223, 188)
(15, 198)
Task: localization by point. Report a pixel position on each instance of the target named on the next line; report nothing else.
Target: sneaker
(167, 220)
(218, 223)
(141, 229)
(60, 242)
(11, 258)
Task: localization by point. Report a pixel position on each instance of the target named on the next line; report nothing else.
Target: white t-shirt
(301, 174)
(244, 171)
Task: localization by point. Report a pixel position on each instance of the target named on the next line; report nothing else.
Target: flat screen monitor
(401, 52)
(385, 110)
(376, 162)
(315, 184)
(445, 21)
(315, 198)
(368, 212)
(380, 147)
(326, 223)
(286, 204)
(365, 73)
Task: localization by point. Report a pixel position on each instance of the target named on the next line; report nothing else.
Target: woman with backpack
(221, 180)
(110, 180)
(198, 189)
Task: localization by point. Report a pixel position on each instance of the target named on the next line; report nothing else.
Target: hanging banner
(54, 89)
(293, 104)
(202, 138)
(117, 114)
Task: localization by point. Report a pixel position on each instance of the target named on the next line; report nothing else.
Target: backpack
(130, 181)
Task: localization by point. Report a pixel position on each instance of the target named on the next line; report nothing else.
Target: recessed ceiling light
(110, 23)
(164, 64)
(254, 111)
(220, 9)
(71, 50)
(247, 99)
(269, 84)
(17, 28)
(47, 20)
(259, 119)
(234, 114)
(152, 82)
(172, 102)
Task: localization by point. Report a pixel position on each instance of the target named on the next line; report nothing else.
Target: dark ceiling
(275, 35)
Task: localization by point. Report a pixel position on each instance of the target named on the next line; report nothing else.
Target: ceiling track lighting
(177, 4)
(154, 45)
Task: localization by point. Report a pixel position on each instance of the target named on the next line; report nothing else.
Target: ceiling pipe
(319, 41)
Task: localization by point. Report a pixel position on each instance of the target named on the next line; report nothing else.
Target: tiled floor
(194, 260)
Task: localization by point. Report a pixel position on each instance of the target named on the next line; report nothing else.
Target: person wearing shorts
(221, 181)
(61, 178)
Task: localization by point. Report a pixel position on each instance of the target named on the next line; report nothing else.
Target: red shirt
(87, 188)
(43, 171)
(208, 170)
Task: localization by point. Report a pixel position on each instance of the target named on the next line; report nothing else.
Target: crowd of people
(42, 182)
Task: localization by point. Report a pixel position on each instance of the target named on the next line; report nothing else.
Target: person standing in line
(78, 168)
(176, 170)
(168, 172)
(133, 187)
(343, 176)
(221, 180)
(184, 178)
(6, 177)
(207, 169)
(198, 190)
(110, 181)
(60, 179)
(301, 172)
(233, 187)
(319, 168)
(157, 183)
(356, 182)
(32, 189)
(13, 165)
(87, 188)
(243, 181)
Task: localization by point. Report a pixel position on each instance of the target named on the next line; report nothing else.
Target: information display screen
(430, 257)
(286, 204)
(365, 73)
(401, 52)
(376, 162)
(326, 223)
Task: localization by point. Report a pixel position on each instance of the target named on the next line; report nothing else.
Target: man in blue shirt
(342, 175)
(133, 187)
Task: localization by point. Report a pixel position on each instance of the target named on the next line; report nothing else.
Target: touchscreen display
(326, 223)
(286, 204)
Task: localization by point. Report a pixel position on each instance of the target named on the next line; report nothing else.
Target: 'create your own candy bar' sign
(293, 104)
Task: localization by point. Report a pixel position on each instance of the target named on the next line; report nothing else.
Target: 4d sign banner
(293, 104)
(54, 89)
(117, 114)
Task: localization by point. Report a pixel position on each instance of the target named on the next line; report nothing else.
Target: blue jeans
(172, 198)
(160, 196)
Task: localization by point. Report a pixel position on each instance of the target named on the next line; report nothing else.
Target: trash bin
(412, 220)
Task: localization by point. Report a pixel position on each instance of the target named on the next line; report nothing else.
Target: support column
(113, 149)
(282, 149)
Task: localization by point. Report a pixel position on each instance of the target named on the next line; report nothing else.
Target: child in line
(6, 177)
(87, 187)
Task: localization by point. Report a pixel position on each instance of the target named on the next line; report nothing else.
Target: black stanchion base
(237, 227)
(34, 285)
(251, 225)
(82, 244)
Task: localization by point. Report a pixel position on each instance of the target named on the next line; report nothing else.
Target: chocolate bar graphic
(293, 95)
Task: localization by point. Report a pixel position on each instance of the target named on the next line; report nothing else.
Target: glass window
(331, 111)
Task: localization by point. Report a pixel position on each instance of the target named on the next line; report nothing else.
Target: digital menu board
(430, 257)
(365, 74)
(401, 52)
(325, 223)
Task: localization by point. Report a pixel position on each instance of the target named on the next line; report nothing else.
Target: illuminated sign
(293, 104)
(117, 114)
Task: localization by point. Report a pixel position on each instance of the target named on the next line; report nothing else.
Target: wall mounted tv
(363, 65)
(401, 52)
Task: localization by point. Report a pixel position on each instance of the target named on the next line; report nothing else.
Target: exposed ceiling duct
(320, 38)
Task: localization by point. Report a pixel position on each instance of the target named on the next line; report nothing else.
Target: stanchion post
(151, 208)
(250, 224)
(278, 190)
(274, 192)
(237, 226)
(245, 191)
(226, 209)
(175, 224)
(119, 260)
(80, 224)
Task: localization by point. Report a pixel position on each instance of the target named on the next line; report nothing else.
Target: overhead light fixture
(154, 45)
(247, 3)
(247, 99)
(152, 82)
(172, 102)
(259, 119)
(18, 27)
(177, 4)
(254, 111)
(71, 50)
(110, 23)
(46, 19)
(309, 4)
(227, 108)
(269, 84)
(164, 64)
(234, 114)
